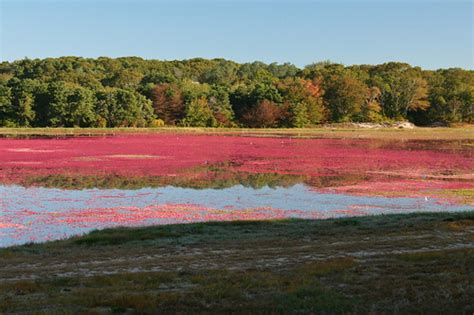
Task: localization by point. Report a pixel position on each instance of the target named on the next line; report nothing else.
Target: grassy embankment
(414, 263)
(459, 133)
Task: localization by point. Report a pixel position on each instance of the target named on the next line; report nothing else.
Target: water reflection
(216, 177)
(40, 214)
(176, 178)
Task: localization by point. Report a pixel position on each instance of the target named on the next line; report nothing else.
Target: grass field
(415, 263)
(465, 132)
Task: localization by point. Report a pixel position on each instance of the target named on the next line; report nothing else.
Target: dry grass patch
(133, 156)
(458, 133)
(461, 225)
(321, 268)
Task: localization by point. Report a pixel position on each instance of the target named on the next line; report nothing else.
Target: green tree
(57, 104)
(23, 102)
(199, 114)
(56, 92)
(344, 96)
(299, 117)
(124, 79)
(219, 102)
(256, 72)
(223, 73)
(81, 108)
(370, 110)
(403, 89)
(451, 95)
(128, 109)
(6, 108)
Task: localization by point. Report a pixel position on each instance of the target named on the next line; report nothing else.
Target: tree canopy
(133, 92)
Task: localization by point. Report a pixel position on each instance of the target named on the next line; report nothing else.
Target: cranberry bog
(61, 186)
(237, 222)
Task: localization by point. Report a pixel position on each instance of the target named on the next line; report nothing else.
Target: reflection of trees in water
(335, 180)
(211, 179)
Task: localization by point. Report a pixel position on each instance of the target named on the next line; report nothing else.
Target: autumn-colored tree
(246, 97)
(266, 114)
(416, 95)
(370, 110)
(303, 97)
(168, 103)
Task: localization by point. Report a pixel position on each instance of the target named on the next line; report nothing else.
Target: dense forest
(133, 92)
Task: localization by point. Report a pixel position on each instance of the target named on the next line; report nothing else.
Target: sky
(431, 34)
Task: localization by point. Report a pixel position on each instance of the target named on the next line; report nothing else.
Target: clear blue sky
(430, 34)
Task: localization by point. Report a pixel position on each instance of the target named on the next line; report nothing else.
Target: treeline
(132, 92)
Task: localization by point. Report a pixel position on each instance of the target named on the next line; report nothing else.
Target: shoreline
(418, 133)
(251, 266)
(106, 232)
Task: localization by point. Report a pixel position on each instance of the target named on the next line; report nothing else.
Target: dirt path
(231, 255)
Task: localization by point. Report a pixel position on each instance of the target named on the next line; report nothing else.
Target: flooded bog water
(38, 214)
(51, 188)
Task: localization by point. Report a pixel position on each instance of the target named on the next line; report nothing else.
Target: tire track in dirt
(256, 254)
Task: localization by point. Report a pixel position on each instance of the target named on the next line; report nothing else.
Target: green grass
(208, 231)
(410, 263)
